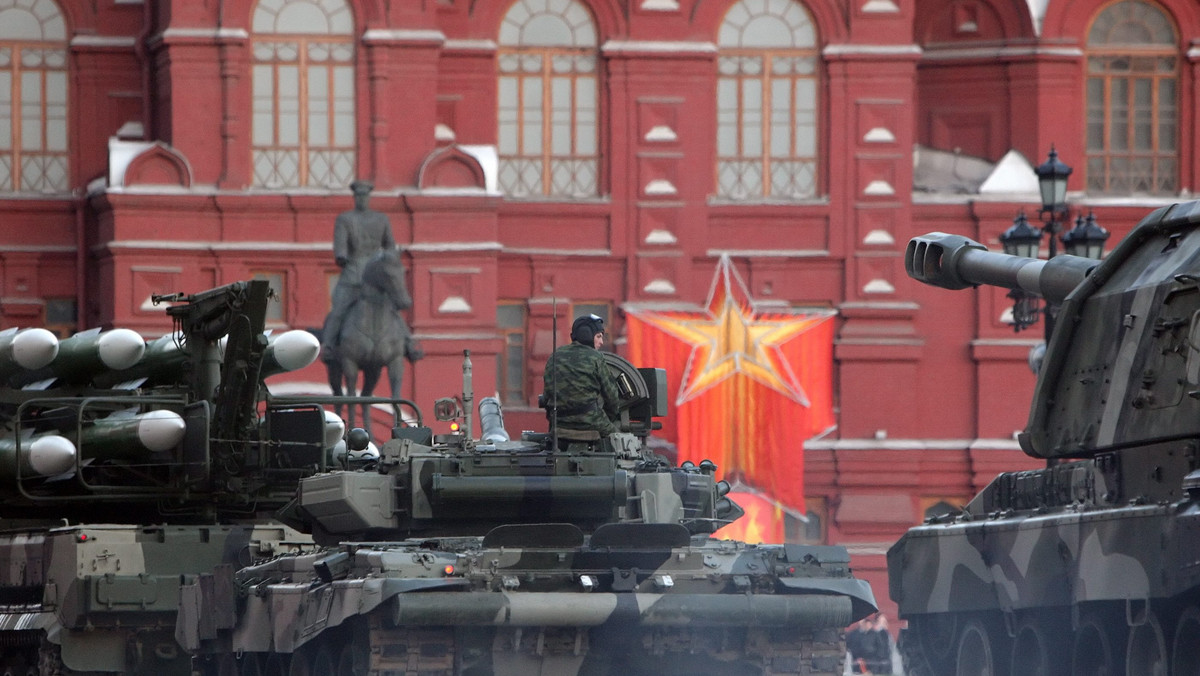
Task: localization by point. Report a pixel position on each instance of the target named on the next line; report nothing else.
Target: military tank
(125, 463)
(551, 554)
(1092, 564)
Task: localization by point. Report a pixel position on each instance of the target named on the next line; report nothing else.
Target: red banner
(748, 386)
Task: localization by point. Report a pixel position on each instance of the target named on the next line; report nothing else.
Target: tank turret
(1087, 565)
(452, 484)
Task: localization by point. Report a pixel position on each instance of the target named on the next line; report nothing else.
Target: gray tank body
(1091, 565)
(451, 555)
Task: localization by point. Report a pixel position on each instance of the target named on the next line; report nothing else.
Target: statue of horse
(373, 335)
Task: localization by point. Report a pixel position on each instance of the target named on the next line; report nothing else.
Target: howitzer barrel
(956, 262)
(807, 611)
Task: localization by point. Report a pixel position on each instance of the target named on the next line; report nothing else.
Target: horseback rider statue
(364, 330)
(358, 235)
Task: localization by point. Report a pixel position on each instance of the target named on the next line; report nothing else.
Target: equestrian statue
(364, 330)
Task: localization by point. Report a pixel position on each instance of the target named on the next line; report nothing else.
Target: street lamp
(1022, 239)
(1086, 238)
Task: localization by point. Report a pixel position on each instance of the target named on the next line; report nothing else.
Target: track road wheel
(1185, 655)
(301, 663)
(1146, 649)
(50, 662)
(220, 665)
(323, 663)
(976, 654)
(927, 646)
(1095, 650)
(250, 665)
(17, 665)
(345, 662)
(275, 665)
(1037, 651)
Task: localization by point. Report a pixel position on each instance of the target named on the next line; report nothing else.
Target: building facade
(569, 156)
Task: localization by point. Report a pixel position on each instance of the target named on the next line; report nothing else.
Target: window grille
(1132, 101)
(767, 84)
(547, 91)
(33, 97)
(303, 127)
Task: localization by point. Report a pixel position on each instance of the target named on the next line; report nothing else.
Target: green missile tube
(24, 350)
(93, 352)
(42, 455)
(162, 363)
(124, 436)
(289, 351)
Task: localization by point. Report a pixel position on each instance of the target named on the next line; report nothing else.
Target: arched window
(767, 76)
(33, 97)
(547, 100)
(303, 121)
(1132, 101)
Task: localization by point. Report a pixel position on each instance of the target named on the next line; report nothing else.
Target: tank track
(568, 651)
(19, 653)
(373, 648)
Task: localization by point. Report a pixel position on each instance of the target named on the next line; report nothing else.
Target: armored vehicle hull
(163, 514)
(545, 599)
(1091, 565)
(555, 556)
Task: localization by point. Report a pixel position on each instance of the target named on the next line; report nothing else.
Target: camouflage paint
(1103, 542)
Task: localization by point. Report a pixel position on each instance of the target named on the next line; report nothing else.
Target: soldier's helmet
(585, 328)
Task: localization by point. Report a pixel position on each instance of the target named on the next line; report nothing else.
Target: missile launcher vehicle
(1092, 564)
(125, 464)
(552, 554)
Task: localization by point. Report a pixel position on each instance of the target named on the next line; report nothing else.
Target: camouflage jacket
(587, 391)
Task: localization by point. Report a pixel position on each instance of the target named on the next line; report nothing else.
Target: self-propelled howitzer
(514, 557)
(1089, 565)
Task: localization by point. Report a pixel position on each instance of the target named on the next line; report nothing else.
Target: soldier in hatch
(585, 388)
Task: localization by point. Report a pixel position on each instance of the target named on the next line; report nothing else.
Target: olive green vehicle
(125, 464)
(1091, 565)
(555, 556)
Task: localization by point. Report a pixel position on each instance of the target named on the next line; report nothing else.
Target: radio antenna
(554, 376)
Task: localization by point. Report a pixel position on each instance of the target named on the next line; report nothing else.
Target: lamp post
(1022, 239)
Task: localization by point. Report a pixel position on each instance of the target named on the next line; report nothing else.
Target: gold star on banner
(730, 338)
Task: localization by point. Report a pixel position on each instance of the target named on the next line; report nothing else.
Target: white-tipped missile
(93, 352)
(42, 455)
(335, 429)
(26, 350)
(120, 348)
(125, 435)
(289, 351)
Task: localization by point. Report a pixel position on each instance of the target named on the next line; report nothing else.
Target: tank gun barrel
(956, 262)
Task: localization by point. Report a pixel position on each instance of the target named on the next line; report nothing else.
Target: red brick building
(594, 154)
